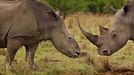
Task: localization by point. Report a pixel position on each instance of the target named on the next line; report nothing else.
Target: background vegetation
(52, 62)
(94, 6)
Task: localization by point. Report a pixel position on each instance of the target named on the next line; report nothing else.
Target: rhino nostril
(105, 52)
(77, 52)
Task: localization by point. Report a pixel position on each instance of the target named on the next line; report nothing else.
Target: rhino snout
(76, 54)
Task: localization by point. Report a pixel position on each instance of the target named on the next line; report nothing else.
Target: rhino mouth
(76, 54)
(71, 54)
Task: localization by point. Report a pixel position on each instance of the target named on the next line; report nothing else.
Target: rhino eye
(70, 37)
(114, 35)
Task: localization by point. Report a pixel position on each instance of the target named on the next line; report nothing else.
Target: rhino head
(51, 27)
(60, 37)
(116, 36)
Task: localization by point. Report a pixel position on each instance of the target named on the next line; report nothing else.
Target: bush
(68, 6)
(95, 6)
(103, 6)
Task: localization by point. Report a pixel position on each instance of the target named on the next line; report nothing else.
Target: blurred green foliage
(103, 6)
(68, 6)
(94, 6)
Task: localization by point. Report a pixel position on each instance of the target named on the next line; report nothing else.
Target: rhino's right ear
(57, 12)
(53, 15)
(103, 30)
(126, 9)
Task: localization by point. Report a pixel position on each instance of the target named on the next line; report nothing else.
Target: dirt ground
(118, 70)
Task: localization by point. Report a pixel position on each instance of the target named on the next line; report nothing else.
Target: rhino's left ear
(103, 30)
(53, 15)
(126, 9)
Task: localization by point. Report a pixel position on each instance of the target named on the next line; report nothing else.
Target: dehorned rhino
(116, 36)
(27, 23)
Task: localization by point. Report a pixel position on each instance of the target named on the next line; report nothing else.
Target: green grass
(94, 6)
(52, 62)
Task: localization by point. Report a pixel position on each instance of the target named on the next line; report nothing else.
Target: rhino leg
(30, 53)
(12, 47)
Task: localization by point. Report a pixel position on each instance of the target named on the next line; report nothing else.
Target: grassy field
(52, 62)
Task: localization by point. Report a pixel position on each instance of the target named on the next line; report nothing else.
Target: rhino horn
(91, 37)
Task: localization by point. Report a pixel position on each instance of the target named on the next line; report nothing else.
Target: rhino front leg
(30, 53)
(12, 47)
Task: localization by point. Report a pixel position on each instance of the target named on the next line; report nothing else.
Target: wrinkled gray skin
(116, 36)
(28, 22)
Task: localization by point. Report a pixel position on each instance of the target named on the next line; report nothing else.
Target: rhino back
(22, 18)
(23, 24)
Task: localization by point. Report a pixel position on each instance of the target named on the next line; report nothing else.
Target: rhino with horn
(115, 37)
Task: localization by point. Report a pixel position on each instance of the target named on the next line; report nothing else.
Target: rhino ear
(126, 9)
(103, 30)
(53, 15)
(57, 12)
